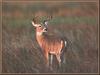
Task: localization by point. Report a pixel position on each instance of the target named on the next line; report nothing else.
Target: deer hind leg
(51, 59)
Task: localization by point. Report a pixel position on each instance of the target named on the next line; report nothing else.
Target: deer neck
(40, 38)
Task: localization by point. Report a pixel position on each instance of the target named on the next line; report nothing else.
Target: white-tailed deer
(49, 43)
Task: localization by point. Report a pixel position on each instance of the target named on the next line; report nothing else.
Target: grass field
(78, 21)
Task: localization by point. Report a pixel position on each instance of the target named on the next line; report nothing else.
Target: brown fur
(50, 44)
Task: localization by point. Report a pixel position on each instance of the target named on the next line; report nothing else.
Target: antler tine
(49, 18)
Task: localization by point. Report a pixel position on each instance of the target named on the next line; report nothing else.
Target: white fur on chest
(39, 33)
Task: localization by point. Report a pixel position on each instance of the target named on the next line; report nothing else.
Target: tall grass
(79, 23)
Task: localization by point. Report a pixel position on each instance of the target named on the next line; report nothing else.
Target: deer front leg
(47, 59)
(59, 59)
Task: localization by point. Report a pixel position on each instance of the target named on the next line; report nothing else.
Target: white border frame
(49, 1)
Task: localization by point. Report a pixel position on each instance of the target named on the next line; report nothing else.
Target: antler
(49, 17)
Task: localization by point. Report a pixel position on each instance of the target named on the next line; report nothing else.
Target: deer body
(49, 43)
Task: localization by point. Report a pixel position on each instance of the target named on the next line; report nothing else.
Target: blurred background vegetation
(78, 21)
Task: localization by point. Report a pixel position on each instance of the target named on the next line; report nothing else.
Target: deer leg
(47, 59)
(59, 59)
(51, 59)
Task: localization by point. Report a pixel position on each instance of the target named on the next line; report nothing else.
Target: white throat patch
(39, 33)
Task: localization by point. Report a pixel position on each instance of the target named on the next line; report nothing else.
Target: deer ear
(35, 25)
(34, 22)
(45, 22)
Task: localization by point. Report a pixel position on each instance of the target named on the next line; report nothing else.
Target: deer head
(40, 27)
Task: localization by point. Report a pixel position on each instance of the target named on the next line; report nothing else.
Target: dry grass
(78, 22)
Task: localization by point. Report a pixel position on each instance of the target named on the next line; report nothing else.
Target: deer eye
(40, 26)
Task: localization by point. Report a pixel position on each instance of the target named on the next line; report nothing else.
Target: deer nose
(45, 29)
